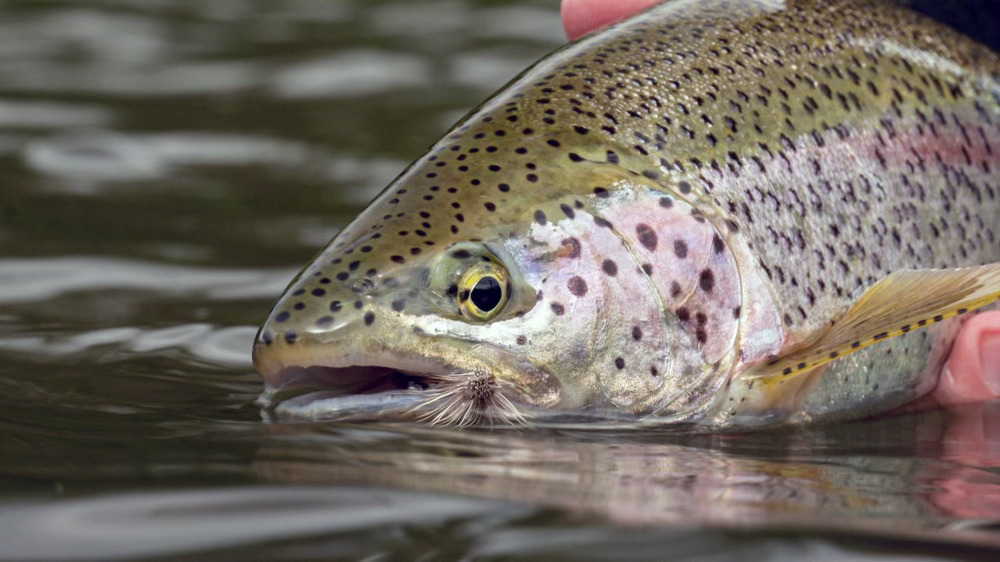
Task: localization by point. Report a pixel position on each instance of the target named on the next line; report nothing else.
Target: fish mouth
(444, 395)
(358, 379)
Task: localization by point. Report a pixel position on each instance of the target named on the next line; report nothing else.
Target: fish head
(492, 286)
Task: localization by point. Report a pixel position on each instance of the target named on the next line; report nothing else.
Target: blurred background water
(166, 166)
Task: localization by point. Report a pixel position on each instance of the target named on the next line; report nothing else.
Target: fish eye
(483, 291)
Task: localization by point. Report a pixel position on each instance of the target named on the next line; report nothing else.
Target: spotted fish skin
(677, 198)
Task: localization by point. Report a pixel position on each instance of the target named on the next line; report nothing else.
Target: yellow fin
(899, 303)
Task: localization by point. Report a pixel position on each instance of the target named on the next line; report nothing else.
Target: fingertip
(972, 372)
(580, 17)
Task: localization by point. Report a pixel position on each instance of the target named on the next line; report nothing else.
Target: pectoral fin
(901, 302)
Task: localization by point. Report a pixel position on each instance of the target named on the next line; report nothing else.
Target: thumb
(972, 373)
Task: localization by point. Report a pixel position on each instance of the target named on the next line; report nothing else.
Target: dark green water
(165, 168)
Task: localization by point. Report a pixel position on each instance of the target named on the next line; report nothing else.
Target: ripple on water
(97, 157)
(29, 280)
(175, 522)
(44, 114)
(484, 70)
(89, 156)
(351, 73)
(225, 346)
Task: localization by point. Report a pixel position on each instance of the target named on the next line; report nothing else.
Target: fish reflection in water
(925, 477)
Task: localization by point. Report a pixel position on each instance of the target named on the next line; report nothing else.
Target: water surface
(166, 166)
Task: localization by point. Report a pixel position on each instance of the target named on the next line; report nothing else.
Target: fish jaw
(414, 364)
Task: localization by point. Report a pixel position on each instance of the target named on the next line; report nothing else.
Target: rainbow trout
(730, 213)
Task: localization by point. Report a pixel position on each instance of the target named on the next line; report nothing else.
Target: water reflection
(885, 478)
(158, 524)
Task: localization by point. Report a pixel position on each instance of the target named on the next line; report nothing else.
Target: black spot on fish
(706, 280)
(684, 187)
(700, 335)
(675, 289)
(369, 318)
(567, 210)
(619, 362)
(577, 286)
(680, 249)
(324, 322)
(666, 202)
(282, 316)
(636, 333)
(398, 305)
(683, 314)
(647, 268)
(335, 306)
(610, 268)
(540, 217)
(717, 244)
(558, 309)
(647, 236)
(291, 337)
(521, 340)
(602, 222)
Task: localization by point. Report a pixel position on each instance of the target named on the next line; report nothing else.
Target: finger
(972, 373)
(583, 16)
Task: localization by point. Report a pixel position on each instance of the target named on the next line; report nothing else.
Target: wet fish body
(646, 222)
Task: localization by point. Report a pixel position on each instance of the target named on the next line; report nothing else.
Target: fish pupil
(487, 294)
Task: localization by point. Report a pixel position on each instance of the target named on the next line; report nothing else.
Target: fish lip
(353, 379)
(291, 367)
(293, 371)
(362, 376)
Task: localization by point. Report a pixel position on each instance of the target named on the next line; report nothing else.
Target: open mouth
(359, 392)
(373, 392)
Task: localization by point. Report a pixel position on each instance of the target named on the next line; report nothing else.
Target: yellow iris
(483, 290)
